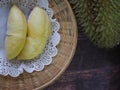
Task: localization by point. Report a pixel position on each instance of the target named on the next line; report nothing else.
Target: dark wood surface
(92, 68)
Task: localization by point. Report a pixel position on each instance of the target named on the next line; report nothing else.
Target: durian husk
(100, 20)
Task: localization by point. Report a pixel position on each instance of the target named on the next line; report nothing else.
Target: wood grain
(106, 78)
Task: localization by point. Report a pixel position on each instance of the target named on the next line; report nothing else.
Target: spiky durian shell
(100, 20)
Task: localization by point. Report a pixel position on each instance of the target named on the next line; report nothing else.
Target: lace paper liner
(14, 68)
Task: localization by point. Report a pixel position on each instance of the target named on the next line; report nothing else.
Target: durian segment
(39, 30)
(16, 32)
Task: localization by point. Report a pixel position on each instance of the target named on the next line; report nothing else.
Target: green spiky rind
(100, 19)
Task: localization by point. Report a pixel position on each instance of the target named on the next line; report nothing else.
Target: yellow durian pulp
(39, 30)
(16, 32)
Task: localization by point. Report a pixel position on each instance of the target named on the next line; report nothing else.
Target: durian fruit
(100, 20)
(39, 30)
(16, 32)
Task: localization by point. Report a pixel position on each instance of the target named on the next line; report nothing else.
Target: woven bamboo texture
(66, 48)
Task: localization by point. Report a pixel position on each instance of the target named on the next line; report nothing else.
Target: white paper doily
(14, 68)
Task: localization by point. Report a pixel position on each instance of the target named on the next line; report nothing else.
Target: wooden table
(92, 68)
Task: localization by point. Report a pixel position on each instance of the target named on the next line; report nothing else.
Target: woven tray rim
(75, 44)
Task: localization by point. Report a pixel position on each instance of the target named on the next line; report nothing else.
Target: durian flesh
(39, 30)
(16, 32)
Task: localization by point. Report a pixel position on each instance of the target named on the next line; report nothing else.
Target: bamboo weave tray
(66, 48)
